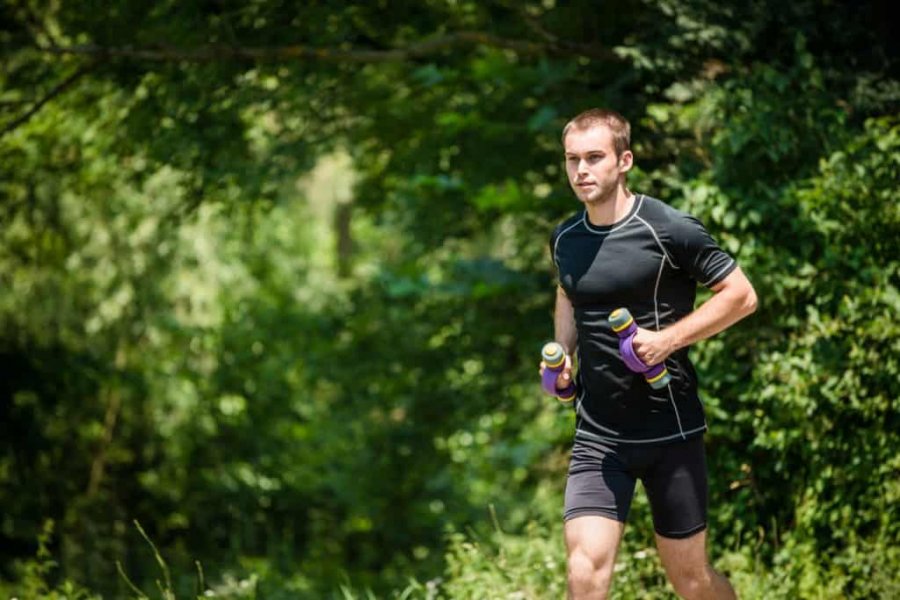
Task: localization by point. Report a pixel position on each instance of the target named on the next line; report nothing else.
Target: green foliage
(37, 577)
(826, 398)
(524, 566)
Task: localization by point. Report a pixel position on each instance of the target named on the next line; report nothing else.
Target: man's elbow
(750, 301)
(740, 293)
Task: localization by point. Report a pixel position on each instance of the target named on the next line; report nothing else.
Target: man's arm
(564, 333)
(564, 322)
(733, 299)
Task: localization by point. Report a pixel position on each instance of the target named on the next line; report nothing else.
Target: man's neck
(612, 209)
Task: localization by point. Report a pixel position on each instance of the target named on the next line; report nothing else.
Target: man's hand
(565, 376)
(733, 299)
(652, 347)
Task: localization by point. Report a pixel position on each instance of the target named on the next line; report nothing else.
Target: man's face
(593, 168)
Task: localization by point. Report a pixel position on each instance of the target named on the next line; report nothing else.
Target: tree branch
(530, 20)
(59, 89)
(434, 45)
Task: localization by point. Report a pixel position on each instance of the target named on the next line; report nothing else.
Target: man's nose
(582, 167)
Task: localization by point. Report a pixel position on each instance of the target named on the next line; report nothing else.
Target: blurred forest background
(275, 280)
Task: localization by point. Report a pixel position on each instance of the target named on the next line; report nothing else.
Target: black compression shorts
(602, 478)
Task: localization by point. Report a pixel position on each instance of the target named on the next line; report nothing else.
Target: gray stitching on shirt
(659, 243)
(587, 223)
(662, 265)
(601, 438)
(559, 237)
(719, 272)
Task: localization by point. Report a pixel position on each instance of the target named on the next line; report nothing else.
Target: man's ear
(626, 161)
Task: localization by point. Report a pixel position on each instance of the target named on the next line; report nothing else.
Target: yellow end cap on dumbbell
(624, 325)
(548, 348)
(658, 377)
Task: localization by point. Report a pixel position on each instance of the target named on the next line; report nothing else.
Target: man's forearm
(729, 304)
(732, 300)
(564, 322)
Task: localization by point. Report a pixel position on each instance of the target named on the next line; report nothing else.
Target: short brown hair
(617, 124)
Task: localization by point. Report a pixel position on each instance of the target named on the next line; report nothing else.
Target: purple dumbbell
(623, 324)
(555, 361)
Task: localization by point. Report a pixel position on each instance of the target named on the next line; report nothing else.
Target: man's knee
(590, 570)
(591, 544)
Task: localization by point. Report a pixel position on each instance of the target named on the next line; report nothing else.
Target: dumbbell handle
(623, 324)
(554, 362)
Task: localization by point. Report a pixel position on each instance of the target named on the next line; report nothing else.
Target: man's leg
(591, 544)
(599, 489)
(689, 570)
(677, 488)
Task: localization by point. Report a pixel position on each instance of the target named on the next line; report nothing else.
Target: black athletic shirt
(649, 262)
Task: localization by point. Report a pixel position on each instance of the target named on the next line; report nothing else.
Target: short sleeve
(553, 239)
(695, 251)
(552, 245)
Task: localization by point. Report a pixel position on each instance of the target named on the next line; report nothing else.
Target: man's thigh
(676, 485)
(600, 483)
(594, 538)
(592, 542)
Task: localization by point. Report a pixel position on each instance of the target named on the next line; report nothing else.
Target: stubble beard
(598, 196)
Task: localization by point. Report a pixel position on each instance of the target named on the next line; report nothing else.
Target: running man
(633, 251)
